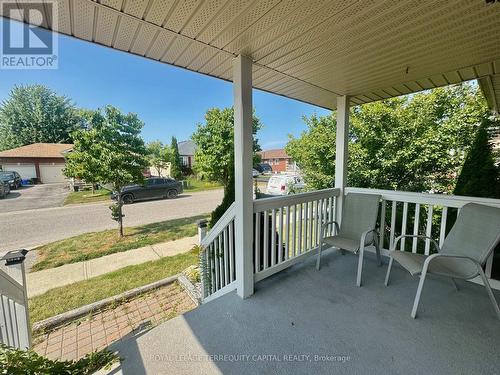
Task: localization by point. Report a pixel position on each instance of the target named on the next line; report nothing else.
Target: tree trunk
(120, 214)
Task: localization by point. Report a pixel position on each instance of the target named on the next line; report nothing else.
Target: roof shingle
(38, 150)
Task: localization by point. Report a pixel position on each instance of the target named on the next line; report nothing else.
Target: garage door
(26, 171)
(51, 173)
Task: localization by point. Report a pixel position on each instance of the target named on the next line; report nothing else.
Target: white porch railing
(217, 258)
(420, 213)
(287, 229)
(14, 321)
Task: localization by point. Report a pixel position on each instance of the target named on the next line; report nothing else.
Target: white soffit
(309, 50)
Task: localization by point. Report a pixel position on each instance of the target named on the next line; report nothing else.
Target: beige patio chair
(357, 229)
(463, 254)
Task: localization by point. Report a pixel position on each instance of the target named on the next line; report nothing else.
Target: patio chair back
(359, 214)
(475, 234)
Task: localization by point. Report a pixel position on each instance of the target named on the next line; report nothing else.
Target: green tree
(84, 160)
(214, 154)
(413, 143)
(117, 154)
(36, 114)
(480, 177)
(175, 160)
(159, 156)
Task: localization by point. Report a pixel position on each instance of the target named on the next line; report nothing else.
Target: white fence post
(14, 320)
(202, 229)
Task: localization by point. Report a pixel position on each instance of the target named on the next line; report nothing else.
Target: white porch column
(341, 151)
(243, 154)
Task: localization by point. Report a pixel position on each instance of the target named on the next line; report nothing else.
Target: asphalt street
(30, 228)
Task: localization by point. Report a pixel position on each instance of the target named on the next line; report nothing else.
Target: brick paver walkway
(98, 331)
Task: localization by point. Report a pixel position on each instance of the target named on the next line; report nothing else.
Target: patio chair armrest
(419, 236)
(366, 232)
(323, 227)
(430, 258)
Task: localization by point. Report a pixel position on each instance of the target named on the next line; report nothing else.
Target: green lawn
(97, 244)
(86, 196)
(200, 185)
(69, 297)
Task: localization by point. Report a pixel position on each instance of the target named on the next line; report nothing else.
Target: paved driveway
(35, 227)
(34, 197)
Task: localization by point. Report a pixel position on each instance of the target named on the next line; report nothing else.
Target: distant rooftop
(38, 150)
(187, 147)
(274, 154)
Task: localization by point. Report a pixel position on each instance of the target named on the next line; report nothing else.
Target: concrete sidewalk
(42, 281)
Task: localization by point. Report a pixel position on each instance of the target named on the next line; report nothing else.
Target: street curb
(60, 319)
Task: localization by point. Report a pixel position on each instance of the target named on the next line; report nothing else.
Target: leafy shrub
(28, 362)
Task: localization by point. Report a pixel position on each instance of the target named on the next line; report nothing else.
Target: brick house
(278, 160)
(44, 161)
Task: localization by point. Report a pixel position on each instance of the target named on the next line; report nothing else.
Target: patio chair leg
(419, 293)
(388, 271)
(377, 250)
(455, 284)
(490, 292)
(360, 264)
(318, 260)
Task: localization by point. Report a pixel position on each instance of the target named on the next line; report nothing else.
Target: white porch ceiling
(309, 50)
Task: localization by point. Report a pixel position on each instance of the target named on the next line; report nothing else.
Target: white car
(284, 184)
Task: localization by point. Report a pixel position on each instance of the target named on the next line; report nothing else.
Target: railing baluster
(311, 227)
(213, 268)
(15, 328)
(8, 320)
(299, 239)
(226, 257)
(257, 242)
(403, 225)
(393, 223)
(280, 237)
(382, 223)
(428, 231)
(287, 240)
(273, 237)
(217, 267)
(231, 252)
(266, 239)
(320, 221)
(294, 230)
(306, 225)
(416, 224)
(442, 230)
(332, 215)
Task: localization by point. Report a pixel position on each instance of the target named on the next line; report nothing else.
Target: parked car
(153, 188)
(255, 173)
(12, 178)
(264, 168)
(4, 189)
(284, 184)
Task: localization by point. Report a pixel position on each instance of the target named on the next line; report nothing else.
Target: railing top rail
(220, 225)
(455, 201)
(11, 288)
(260, 205)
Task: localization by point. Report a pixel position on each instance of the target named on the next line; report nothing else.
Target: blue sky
(170, 100)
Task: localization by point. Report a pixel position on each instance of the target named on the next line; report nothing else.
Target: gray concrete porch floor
(302, 321)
